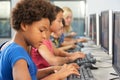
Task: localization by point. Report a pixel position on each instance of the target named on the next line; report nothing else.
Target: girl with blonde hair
(68, 32)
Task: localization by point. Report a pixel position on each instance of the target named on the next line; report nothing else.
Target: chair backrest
(3, 44)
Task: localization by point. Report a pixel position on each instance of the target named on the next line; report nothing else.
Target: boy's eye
(42, 30)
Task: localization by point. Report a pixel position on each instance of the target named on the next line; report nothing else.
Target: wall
(96, 6)
(93, 6)
(78, 9)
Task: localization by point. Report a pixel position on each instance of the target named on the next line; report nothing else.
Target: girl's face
(37, 32)
(57, 25)
(68, 18)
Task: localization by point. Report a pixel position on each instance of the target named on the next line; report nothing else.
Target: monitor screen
(105, 30)
(93, 26)
(116, 41)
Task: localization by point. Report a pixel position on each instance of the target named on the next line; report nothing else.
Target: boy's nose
(44, 35)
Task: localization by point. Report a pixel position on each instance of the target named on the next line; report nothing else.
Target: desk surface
(104, 63)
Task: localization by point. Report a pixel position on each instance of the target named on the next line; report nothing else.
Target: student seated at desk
(68, 31)
(47, 54)
(70, 41)
(30, 19)
(57, 37)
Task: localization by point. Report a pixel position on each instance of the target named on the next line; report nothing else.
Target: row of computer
(104, 30)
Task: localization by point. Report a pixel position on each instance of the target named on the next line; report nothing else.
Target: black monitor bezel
(113, 57)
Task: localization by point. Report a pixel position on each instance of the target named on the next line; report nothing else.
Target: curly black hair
(29, 11)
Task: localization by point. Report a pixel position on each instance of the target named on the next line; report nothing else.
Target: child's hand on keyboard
(78, 54)
(75, 65)
(67, 70)
(81, 40)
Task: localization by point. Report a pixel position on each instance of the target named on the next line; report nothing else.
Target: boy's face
(57, 25)
(36, 32)
(48, 34)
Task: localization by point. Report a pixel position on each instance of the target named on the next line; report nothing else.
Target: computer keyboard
(88, 44)
(85, 74)
(85, 68)
(83, 37)
(88, 60)
(80, 45)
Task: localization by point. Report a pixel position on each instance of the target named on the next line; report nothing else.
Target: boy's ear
(23, 27)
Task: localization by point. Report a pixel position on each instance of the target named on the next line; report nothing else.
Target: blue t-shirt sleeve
(17, 54)
(61, 39)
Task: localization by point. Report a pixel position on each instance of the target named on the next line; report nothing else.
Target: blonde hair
(65, 14)
(66, 11)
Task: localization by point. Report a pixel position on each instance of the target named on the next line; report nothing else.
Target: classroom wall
(93, 6)
(78, 10)
(96, 6)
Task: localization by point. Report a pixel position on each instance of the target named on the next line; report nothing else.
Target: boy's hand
(67, 70)
(76, 55)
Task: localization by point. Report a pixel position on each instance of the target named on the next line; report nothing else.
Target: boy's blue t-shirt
(9, 56)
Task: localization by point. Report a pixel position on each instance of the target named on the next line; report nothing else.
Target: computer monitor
(116, 41)
(100, 31)
(106, 30)
(90, 28)
(94, 28)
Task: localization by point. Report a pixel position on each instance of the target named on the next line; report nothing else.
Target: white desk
(104, 63)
